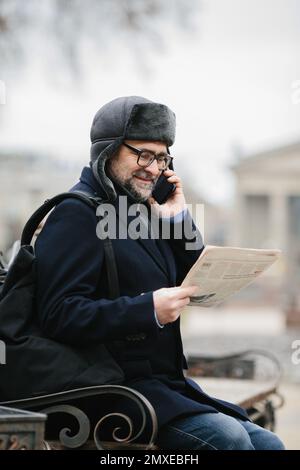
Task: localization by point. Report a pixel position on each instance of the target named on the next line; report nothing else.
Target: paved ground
(217, 332)
(288, 417)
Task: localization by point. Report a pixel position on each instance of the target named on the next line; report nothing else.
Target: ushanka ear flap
(171, 167)
(98, 168)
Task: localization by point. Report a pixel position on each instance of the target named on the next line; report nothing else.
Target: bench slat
(244, 393)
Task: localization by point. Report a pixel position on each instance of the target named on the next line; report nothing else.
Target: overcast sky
(230, 86)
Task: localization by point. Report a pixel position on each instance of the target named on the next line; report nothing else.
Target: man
(130, 138)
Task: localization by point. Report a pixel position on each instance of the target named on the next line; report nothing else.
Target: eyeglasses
(146, 157)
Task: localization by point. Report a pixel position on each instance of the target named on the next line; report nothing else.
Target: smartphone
(163, 189)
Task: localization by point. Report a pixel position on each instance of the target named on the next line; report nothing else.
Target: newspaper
(221, 271)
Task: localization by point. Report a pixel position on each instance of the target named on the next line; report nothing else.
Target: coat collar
(88, 179)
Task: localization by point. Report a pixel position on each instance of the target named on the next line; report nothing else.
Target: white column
(279, 220)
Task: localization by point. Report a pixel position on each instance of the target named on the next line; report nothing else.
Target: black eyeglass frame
(140, 151)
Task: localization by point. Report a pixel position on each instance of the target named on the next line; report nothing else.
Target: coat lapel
(168, 256)
(149, 244)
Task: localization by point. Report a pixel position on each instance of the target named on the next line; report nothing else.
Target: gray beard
(129, 189)
(134, 193)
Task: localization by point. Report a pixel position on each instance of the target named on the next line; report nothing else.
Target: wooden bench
(248, 378)
(244, 393)
(258, 397)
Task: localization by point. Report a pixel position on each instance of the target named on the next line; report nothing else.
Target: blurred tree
(62, 28)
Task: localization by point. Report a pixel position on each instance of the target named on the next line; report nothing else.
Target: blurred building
(267, 213)
(212, 220)
(26, 180)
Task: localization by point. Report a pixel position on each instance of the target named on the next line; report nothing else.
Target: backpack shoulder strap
(110, 260)
(37, 217)
(92, 201)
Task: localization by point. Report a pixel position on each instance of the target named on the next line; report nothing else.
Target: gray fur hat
(132, 118)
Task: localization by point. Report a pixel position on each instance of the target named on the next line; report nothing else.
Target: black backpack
(36, 365)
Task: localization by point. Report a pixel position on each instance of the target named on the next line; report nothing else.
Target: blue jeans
(216, 431)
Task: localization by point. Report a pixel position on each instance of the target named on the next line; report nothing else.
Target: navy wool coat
(74, 306)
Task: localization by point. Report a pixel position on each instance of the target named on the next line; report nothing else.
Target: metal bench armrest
(62, 403)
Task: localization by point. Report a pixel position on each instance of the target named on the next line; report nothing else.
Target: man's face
(124, 169)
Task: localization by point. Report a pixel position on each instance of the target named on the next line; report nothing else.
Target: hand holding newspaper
(221, 271)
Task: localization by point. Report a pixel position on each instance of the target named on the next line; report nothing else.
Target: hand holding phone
(163, 189)
(167, 197)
